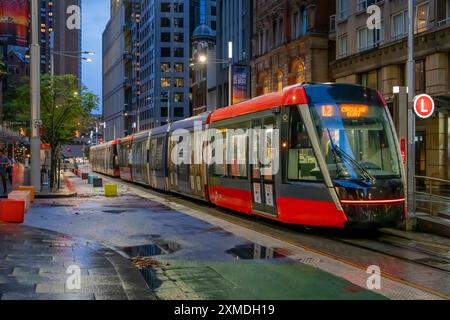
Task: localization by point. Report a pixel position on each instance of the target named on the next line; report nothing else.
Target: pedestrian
(10, 169)
(4, 163)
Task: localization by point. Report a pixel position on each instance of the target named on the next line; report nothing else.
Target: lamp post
(411, 117)
(204, 60)
(230, 73)
(35, 74)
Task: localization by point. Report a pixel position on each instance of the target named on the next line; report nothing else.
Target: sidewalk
(34, 266)
(21, 177)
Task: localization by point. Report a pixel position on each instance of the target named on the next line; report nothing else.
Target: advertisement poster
(14, 20)
(240, 81)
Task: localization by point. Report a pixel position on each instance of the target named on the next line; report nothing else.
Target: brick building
(290, 43)
(377, 59)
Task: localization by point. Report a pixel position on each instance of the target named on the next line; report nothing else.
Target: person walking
(4, 164)
(10, 169)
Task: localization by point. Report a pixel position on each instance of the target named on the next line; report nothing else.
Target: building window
(165, 22)
(399, 25)
(179, 67)
(179, 52)
(165, 67)
(370, 79)
(178, 37)
(364, 4)
(263, 84)
(178, 97)
(179, 7)
(165, 37)
(178, 22)
(421, 18)
(343, 9)
(165, 52)
(342, 46)
(279, 81)
(368, 39)
(165, 7)
(179, 112)
(179, 82)
(165, 82)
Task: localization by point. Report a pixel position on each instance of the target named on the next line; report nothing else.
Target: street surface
(191, 250)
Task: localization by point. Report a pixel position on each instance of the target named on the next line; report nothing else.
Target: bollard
(91, 179)
(111, 190)
(30, 189)
(12, 211)
(24, 196)
(98, 183)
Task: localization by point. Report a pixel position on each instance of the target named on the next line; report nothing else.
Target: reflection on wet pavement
(253, 251)
(152, 250)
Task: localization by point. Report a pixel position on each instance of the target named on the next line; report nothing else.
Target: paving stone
(24, 271)
(101, 271)
(59, 270)
(28, 258)
(16, 287)
(112, 296)
(98, 289)
(51, 287)
(47, 296)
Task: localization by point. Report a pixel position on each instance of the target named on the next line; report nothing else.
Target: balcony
(443, 22)
(364, 4)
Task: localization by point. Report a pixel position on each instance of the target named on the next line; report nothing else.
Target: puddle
(257, 252)
(151, 250)
(116, 212)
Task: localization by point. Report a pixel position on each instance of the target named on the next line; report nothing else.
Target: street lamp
(411, 65)
(203, 59)
(35, 84)
(135, 113)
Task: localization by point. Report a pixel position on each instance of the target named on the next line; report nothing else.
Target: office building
(377, 58)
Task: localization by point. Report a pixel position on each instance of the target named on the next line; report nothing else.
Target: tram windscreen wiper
(344, 155)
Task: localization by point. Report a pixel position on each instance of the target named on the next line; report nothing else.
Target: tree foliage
(2, 68)
(65, 110)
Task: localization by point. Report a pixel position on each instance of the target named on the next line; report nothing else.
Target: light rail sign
(424, 106)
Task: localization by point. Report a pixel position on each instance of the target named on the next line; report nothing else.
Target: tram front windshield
(357, 140)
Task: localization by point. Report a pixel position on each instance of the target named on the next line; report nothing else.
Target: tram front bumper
(374, 215)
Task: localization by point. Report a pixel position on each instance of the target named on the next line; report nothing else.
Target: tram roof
(293, 95)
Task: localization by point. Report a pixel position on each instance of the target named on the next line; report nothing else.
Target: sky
(94, 17)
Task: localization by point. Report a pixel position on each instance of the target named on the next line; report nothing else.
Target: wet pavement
(36, 264)
(186, 254)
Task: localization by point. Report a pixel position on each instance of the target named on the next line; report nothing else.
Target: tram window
(302, 162)
(238, 153)
(219, 153)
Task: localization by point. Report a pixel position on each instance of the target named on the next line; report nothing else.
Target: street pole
(230, 73)
(411, 117)
(35, 84)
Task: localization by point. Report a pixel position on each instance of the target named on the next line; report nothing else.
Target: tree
(2, 68)
(64, 111)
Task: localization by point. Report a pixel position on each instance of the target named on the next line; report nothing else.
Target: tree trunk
(53, 175)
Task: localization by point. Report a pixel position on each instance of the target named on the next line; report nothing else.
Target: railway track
(417, 260)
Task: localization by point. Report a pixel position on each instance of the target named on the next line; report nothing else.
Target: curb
(56, 196)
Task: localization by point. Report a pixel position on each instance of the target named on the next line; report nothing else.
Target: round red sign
(424, 106)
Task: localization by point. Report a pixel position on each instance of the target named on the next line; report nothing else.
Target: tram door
(264, 147)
